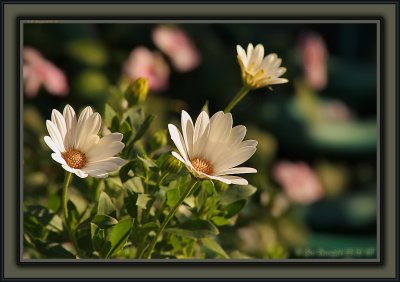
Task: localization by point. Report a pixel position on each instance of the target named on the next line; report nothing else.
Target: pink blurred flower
(151, 65)
(38, 71)
(178, 46)
(314, 55)
(299, 182)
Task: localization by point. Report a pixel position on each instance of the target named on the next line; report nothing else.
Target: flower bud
(172, 165)
(158, 140)
(137, 92)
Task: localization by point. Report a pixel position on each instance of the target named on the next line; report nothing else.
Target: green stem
(169, 217)
(67, 180)
(239, 96)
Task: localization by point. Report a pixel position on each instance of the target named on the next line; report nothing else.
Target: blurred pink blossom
(314, 54)
(38, 71)
(178, 46)
(151, 65)
(299, 182)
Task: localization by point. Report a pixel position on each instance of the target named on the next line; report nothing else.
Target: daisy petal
(80, 173)
(188, 132)
(236, 180)
(176, 136)
(58, 158)
(51, 144)
(235, 158)
(55, 135)
(59, 121)
(220, 178)
(176, 155)
(70, 122)
(236, 170)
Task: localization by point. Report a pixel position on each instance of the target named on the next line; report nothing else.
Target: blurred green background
(341, 152)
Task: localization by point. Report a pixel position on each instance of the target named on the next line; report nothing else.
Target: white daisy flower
(78, 148)
(259, 71)
(211, 149)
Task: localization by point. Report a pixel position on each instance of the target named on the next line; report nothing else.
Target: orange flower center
(74, 158)
(202, 165)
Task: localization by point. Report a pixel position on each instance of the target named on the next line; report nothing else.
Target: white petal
(278, 81)
(89, 143)
(222, 179)
(220, 130)
(249, 51)
(107, 165)
(104, 150)
(237, 135)
(234, 158)
(86, 128)
(98, 173)
(201, 131)
(188, 132)
(80, 173)
(55, 135)
(67, 168)
(236, 180)
(177, 138)
(58, 158)
(256, 57)
(236, 170)
(70, 122)
(51, 144)
(176, 155)
(248, 143)
(241, 54)
(59, 121)
(85, 114)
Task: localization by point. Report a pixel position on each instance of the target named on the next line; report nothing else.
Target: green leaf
(234, 208)
(119, 235)
(147, 162)
(130, 202)
(219, 220)
(236, 193)
(135, 184)
(126, 129)
(173, 196)
(115, 122)
(149, 226)
(39, 217)
(52, 250)
(109, 114)
(142, 200)
(213, 246)
(54, 203)
(195, 229)
(104, 221)
(105, 206)
(97, 236)
(73, 212)
(126, 173)
(143, 128)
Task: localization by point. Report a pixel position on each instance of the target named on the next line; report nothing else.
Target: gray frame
(386, 11)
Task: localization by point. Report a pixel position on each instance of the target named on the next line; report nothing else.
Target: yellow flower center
(74, 158)
(202, 165)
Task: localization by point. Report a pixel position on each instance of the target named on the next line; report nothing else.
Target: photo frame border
(384, 131)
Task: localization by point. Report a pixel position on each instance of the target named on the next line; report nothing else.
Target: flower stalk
(239, 96)
(172, 212)
(67, 180)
